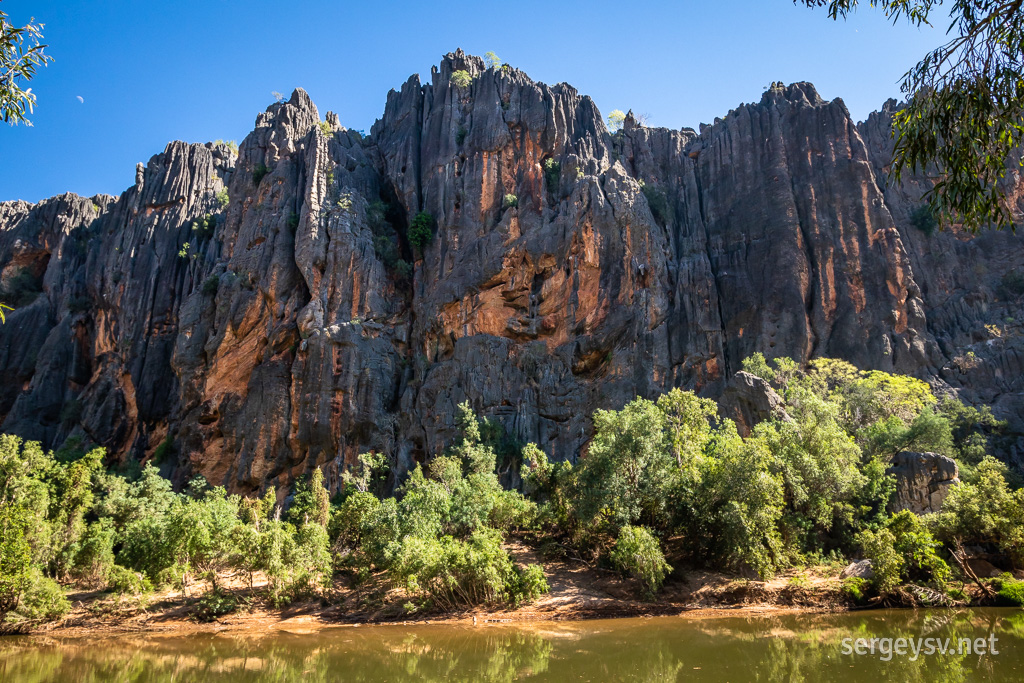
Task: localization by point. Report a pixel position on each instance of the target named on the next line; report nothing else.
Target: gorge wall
(252, 334)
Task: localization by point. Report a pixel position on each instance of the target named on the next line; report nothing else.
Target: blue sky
(151, 72)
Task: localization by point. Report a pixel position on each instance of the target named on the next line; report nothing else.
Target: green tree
(819, 464)
(755, 364)
(984, 512)
(21, 54)
(95, 557)
(687, 424)
(615, 120)
(312, 501)
(880, 547)
(637, 553)
(491, 60)
(740, 504)
(421, 230)
(627, 470)
(964, 114)
(461, 78)
(200, 532)
(15, 557)
(73, 497)
(368, 471)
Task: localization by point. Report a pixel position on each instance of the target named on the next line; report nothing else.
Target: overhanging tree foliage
(20, 54)
(964, 118)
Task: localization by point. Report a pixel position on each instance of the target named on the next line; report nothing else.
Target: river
(784, 647)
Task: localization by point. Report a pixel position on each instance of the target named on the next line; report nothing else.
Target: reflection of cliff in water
(781, 647)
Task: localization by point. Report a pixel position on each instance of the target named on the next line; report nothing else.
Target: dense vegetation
(664, 477)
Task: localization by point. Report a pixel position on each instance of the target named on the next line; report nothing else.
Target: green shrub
(455, 573)
(95, 556)
(879, 547)
(552, 174)
(403, 270)
(510, 201)
(215, 604)
(658, 203)
(22, 289)
(637, 554)
(71, 413)
(856, 588)
(326, 129)
(902, 551)
(174, 577)
(79, 304)
(230, 144)
(421, 230)
(222, 198)
(461, 78)
(162, 451)
(756, 365)
(923, 218)
(918, 547)
(259, 173)
(511, 511)
(42, 600)
(211, 285)
(1011, 593)
(460, 135)
(122, 580)
(385, 245)
(529, 584)
(1011, 285)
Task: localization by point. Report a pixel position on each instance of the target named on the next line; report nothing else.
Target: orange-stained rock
(284, 337)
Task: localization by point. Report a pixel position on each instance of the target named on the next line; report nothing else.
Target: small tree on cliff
(615, 120)
(421, 230)
(491, 60)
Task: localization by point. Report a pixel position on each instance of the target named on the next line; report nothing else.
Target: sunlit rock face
(249, 314)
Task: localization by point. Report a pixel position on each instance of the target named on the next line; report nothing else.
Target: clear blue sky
(197, 70)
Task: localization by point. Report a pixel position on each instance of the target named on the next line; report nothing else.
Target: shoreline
(264, 622)
(577, 594)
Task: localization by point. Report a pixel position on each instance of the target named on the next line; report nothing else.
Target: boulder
(922, 481)
(862, 569)
(748, 400)
(983, 568)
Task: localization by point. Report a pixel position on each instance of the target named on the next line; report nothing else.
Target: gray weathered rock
(748, 400)
(922, 481)
(290, 335)
(862, 569)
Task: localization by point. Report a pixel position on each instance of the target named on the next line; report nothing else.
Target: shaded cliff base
(578, 591)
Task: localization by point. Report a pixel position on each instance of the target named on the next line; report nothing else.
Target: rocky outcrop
(748, 400)
(862, 569)
(264, 312)
(923, 481)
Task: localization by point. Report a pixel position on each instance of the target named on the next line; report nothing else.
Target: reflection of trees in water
(791, 648)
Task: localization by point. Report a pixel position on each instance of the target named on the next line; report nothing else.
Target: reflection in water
(785, 648)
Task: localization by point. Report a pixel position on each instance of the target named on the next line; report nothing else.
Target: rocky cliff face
(246, 316)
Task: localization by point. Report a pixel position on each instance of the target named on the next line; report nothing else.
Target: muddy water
(765, 648)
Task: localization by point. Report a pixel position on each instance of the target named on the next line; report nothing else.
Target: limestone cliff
(248, 316)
